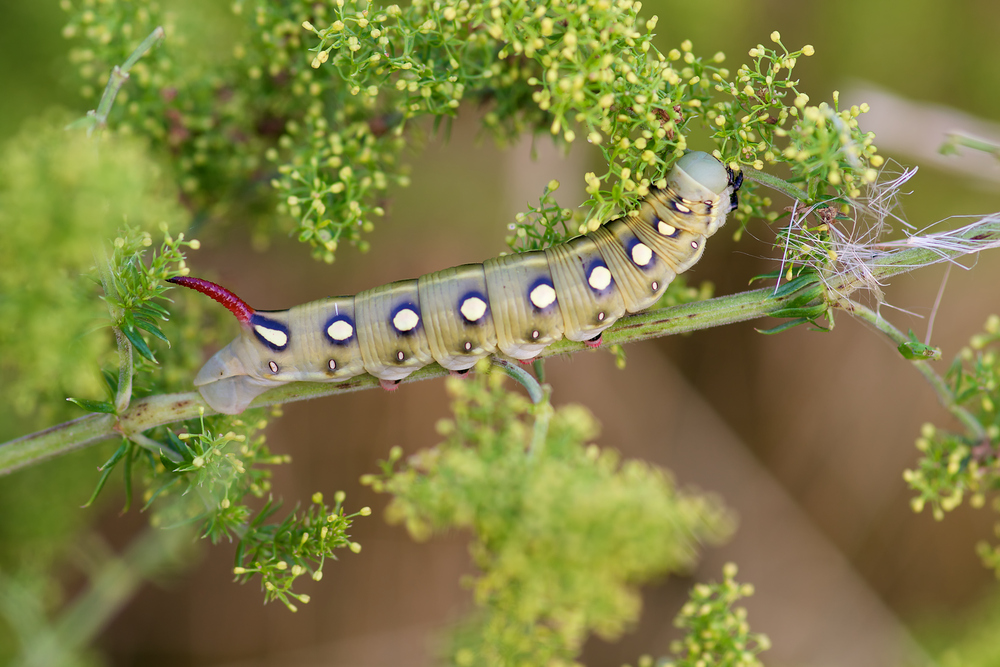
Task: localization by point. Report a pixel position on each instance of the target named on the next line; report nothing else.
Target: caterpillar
(515, 304)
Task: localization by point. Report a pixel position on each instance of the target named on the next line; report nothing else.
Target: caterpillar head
(700, 177)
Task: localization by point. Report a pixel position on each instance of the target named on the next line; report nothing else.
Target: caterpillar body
(515, 304)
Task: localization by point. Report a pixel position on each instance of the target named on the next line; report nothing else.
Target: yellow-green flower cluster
(758, 127)
(60, 199)
(716, 631)
(296, 547)
(203, 475)
(956, 466)
(173, 97)
(324, 92)
(594, 526)
(572, 68)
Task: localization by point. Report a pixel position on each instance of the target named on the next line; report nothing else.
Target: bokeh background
(804, 435)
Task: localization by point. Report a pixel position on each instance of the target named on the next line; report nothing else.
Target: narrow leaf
(94, 406)
(151, 328)
(140, 345)
(106, 471)
(785, 326)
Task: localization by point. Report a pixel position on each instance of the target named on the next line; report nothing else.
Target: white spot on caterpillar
(600, 317)
(273, 366)
(468, 346)
(272, 336)
(340, 330)
(473, 309)
(681, 207)
(406, 320)
(542, 296)
(400, 355)
(599, 278)
(534, 334)
(694, 245)
(655, 285)
(332, 365)
(665, 229)
(641, 254)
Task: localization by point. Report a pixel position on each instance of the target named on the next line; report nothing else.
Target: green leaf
(110, 383)
(914, 350)
(138, 342)
(106, 469)
(154, 309)
(107, 407)
(153, 329)
(784, 326)
(179, 446)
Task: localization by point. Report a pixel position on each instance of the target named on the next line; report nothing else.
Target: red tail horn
(235, 304)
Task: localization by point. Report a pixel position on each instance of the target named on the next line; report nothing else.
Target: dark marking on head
(735, 182)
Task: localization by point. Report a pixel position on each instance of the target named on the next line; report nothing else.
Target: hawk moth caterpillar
(515, 304)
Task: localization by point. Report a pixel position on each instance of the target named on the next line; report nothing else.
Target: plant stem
(98, 118)
(522, 377)
(543, 415)
(937, 383)
(111, 586)
(154, 411)
(124, 393)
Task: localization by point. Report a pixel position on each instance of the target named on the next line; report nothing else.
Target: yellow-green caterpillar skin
(515, 305)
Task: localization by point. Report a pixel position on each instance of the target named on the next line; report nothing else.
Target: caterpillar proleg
(515, 304)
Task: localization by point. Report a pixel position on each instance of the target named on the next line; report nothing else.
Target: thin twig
(937, 383)
(97, 119)
(543, 415)
(522, 377)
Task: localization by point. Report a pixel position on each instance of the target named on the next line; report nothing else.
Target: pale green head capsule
(696, 170)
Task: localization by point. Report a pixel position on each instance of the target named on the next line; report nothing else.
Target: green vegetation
(294, 117)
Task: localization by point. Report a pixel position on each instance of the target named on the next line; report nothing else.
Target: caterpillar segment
(515, 305)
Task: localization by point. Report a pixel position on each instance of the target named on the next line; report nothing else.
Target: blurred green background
(805, 435)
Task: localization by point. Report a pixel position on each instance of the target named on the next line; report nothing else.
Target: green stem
(543, 415)
(153, 411)
(522, 377)
(98, 118)
(111, 587)
(975, 143)
(124, 393)
(937, 383)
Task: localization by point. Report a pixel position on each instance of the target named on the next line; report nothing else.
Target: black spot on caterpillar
(516, 304)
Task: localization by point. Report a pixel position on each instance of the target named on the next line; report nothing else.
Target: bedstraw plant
(293, 117)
